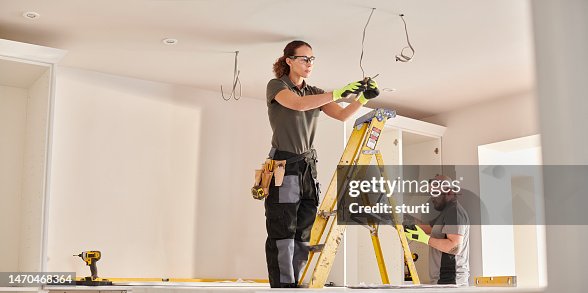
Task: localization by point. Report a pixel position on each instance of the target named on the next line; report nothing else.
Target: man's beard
(439, 206)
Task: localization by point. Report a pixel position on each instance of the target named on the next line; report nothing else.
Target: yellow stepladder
(360, 150)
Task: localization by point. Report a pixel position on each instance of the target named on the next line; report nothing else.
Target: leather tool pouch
(279, 171)
(263, 177)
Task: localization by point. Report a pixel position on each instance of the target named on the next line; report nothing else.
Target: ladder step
(317, 248)
(326, 214)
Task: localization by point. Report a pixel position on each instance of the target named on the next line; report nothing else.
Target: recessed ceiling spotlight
(169, 41)
(31, 15)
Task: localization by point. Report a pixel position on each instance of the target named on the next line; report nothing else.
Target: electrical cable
(362, 43)
(236, 81)
(402, 57)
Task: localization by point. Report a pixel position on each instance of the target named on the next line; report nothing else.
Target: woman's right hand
(371, 92)
(351, 88)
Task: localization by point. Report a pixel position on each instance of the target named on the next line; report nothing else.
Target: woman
(293, 110)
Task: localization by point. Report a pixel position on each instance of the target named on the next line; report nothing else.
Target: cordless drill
(90, 258)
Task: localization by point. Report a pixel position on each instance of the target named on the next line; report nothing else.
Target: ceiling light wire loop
(402, 57)
(236, 81)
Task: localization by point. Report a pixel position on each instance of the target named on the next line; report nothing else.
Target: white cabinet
(26, 98)
(404, 141)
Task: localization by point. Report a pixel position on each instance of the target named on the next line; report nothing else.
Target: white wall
(530, 260)
(34, 171)
(23, 129)
(123, 176)
(13, 107)
(150, 169)
(497, 120)
(517, 193)
(421, 153)
(230, 229)
(562, 26)
(467, 128)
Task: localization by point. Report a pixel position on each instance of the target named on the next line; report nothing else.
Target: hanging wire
(236, 81)
(402, 57)
(362, 42)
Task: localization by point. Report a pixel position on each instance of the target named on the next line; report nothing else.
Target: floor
(255, 288)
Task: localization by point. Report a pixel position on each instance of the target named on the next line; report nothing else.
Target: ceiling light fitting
(31, 15)
(169, 41)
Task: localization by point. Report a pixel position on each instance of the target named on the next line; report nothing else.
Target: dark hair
(281, 67)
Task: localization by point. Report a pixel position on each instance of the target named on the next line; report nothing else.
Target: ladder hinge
(370, 152)
(379, 114)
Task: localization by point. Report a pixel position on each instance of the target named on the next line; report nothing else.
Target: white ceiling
(467, 51)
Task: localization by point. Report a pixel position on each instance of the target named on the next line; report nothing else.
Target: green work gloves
(417, 235)
(371, 92)
(352, 88)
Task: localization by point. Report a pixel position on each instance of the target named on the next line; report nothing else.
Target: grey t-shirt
(447, 268)
(293, 131)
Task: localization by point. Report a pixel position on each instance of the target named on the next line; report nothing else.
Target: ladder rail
(379, 254)
(400, 229)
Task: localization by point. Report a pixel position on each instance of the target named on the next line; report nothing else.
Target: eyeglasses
(304, 59)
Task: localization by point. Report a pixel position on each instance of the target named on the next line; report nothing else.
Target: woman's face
(298, 65)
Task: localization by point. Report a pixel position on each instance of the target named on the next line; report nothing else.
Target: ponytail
(280, 66)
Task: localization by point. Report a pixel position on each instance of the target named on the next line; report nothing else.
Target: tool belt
(276, 169)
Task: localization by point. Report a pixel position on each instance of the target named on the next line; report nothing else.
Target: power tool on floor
(90, 258)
